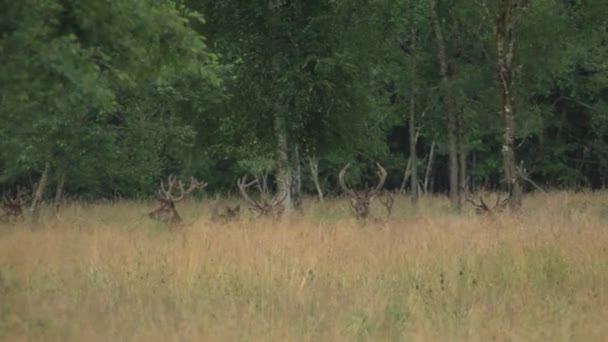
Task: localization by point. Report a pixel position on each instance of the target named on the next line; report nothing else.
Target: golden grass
(104, 272)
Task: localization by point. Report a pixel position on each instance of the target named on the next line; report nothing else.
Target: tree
(100, 99)
(76, 76)
(298, 80)
(412, 122)
(452, 114)
(505, 21)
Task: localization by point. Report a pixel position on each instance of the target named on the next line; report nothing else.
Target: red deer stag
(481, 208)
(360, 200)
(165, 195)
(264, 206)
(13, 205)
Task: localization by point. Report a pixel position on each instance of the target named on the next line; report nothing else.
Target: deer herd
(264, 204)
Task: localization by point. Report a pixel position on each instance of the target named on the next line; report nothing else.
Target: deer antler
(343, 185)
(226, 213)
(243, 186)
(167, 212)
(167, 192)
(6, 199)
(276, 200)
(382, 179)
(502, 203)
(17, 199)
(387, 201)
(483, 208)
(194, 185)
(13, 205)
(360, 201)
(267, 203)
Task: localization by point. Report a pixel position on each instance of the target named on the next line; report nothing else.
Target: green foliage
(116, 94)
(95, 87)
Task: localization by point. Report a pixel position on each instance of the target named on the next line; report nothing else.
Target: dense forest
(101, 99)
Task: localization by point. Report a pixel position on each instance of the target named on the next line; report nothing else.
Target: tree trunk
(504, 26)
(432, 180)
(462, 156)
(296, 179)
(560, 136)
(542, 135)
(429, 167)
(283, 168)
(473, 187)
(406, 175)
(508, 154)
(313, 164)
(34, 209)
(408, 168)
(412, 121)
(450, 107)
(59, 189)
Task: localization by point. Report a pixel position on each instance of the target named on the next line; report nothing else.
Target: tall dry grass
(104, 272)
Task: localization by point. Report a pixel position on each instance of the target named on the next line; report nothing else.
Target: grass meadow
(106, 272)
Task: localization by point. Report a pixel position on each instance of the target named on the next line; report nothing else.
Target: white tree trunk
(34, 209)
(313, 164)
(429, 167)
(283, 166)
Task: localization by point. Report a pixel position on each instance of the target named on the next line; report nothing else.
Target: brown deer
(481, 208)
(167, 212)
(266, 205)
(13, 205)
(226, 214)
(360, 200)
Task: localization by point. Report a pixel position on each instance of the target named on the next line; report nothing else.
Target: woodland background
(101, 99)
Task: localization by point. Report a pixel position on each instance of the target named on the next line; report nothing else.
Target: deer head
(226, 213)
(266, 204)
(361, 200)
(481, 208)
(13, 204)
(167, 197)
